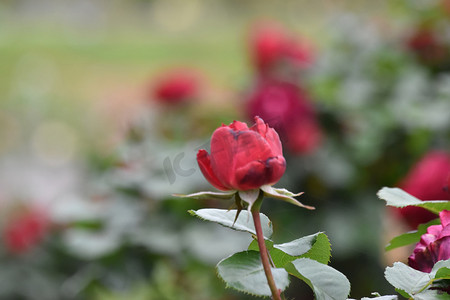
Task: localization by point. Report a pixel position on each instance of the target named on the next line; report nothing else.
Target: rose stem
(263, 250)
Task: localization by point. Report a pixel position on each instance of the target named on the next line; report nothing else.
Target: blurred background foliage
(89, 159)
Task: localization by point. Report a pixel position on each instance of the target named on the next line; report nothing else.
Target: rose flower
(428, 48)
(243, 158)
(433, 246)
(23, 232)
(270, 47)
(176, 86)
(288, 109)
(427, 180)
(244, 163)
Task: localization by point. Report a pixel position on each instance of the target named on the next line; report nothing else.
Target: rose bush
(243, 158)
(433, 246)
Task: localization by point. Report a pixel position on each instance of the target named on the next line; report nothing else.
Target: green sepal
(283, 194)
(208, 195)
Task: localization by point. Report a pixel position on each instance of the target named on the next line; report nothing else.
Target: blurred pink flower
(426, 181)
(176, 86)
(433, 246)
(287, 108)
(24, 231)
(271, 46)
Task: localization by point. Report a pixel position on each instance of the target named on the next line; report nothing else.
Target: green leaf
(321, 249)
(443, 273)
(254, 245)
(431, 295)
(279, 258)
(398, 198)
(326, 282)
(403, 293)
(244, 272)
(299, 246)
(441, 269)
(406, 278)
(226, 218)
(315, 246)
(411, 237)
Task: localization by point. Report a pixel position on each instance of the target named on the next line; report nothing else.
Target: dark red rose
(25, 231)
(433, 246)
(426, 181)
(287, 108)
(176, 86)
(427, 47)
(243, 158)
(270, 47)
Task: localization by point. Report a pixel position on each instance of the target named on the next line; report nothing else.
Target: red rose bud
(176, 86)
(243, 158)
(270, 46)
(288, 109)
(433, 246)
(25, 231)
(426, 181)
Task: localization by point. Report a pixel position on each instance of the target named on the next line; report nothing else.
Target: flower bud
(175, 87)
(243, 158)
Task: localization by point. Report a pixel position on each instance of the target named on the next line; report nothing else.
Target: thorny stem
(263, 251)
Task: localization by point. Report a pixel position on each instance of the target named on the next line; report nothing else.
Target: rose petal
(238, 126)
(251, 146)
(204, 163)
(445, 231)
(443, 246)
(223, 149)
(427, 239)
(251, 176)
(277, 166)
(445, 217)
(260, 127)
(421, 261)
(269, 134)
(434, 230)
